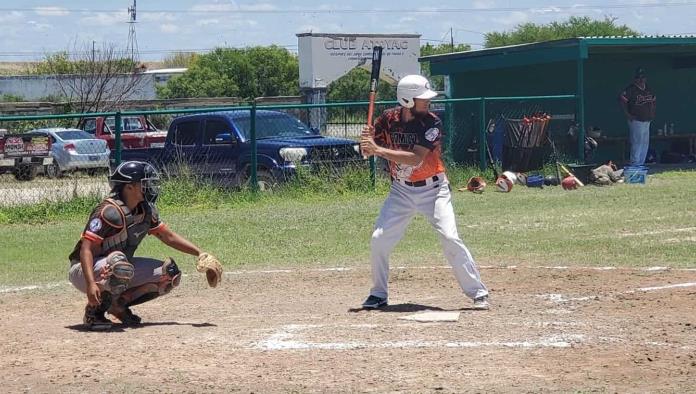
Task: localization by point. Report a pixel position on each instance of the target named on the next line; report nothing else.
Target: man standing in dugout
(408, 137)
(102, 264)
(638, 104)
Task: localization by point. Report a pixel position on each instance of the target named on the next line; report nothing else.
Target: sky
(33, 28)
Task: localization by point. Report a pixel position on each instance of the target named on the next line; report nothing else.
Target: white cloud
(512, 19)
(169, 28)
(206, 22)
(546, 10)
(14, 16)
(38, 26)
(101, 19)
(259, 7)
(215, 7)
(407, 19)
(158, 17)
(51, 11)
(480, 4)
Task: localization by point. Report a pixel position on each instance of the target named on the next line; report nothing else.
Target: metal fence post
(117, 142)
(581, 110)
(482, 134)
(254, 150)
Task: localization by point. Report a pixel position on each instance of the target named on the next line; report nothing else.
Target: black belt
(420, 183)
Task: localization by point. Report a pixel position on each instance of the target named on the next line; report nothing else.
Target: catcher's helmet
(413, 87)
(137, 171)
(476, 184)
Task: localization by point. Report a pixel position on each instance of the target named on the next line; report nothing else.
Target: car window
(74, 135)
(90, 126)
(274, 125)
(129, 124)
(186, 133)
(212, 129)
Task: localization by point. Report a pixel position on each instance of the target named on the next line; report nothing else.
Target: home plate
(433, 316)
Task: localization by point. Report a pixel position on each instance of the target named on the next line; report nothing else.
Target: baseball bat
(490, 161)
(374, 81)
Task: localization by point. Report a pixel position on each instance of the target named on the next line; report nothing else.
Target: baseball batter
(408, 137)
(102, 264)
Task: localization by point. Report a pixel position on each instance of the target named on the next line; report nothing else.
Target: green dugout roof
(682, 48)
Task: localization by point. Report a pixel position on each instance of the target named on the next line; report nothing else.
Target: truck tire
(25, 172)
(264, 179)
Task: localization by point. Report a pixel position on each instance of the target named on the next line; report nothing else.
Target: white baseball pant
(435, 202)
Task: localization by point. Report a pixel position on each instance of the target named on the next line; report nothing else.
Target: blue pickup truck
(217, 146)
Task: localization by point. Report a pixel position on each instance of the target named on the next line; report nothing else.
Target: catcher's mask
(137, 171)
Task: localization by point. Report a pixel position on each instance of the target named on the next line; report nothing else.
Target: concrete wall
(38, 87)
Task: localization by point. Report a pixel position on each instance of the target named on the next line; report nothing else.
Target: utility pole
(451, 40)
(93, 51)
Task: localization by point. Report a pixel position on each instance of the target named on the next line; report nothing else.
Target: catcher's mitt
(211, 266)
(476, 184)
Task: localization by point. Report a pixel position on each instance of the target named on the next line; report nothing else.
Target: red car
(136, 132)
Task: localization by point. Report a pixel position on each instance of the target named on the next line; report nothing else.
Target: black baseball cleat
(374, 302)
(126, 316)
(94, 319)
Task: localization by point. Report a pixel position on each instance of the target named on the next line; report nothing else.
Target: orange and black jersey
(113, 228)
(427, 131)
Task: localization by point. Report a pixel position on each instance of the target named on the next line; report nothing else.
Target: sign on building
(325, 58)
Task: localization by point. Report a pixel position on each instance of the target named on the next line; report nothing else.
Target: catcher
(102, 264)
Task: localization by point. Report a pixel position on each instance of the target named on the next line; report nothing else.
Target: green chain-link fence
(255, 146)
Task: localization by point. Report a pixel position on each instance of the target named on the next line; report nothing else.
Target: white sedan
(74, 149)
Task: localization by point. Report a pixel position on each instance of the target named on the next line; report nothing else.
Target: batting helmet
(511, 176)
(504, 184)
(136, 171)
(569, 183)
(476, 184)
(413, 87)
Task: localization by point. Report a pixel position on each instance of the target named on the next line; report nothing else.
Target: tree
(428, 49)
(179, 59)
(229, 72)
(573, 27)
(354, 86)
(93, 80)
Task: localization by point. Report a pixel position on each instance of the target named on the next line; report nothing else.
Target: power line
(63, 11)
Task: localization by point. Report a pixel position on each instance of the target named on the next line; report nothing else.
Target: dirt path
(626, 330)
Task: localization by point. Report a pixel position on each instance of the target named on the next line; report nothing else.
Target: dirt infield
(550, 329)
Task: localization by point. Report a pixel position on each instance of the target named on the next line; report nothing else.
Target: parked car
(24, 154)
(136, 131)
(74, 149)
(217, 146)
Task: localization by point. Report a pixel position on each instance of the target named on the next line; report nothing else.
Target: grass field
(286, 316)
(623, 225)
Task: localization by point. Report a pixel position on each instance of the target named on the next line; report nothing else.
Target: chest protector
(134, 230)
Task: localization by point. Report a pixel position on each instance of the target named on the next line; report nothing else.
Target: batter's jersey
(112, 227)
(393, 133)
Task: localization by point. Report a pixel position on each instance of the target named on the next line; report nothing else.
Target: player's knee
(121, 273)
(171, 276)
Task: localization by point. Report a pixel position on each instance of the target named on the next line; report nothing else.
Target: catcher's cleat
(126, 316)
(94, 319)
(374, 302)
(481, 303)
